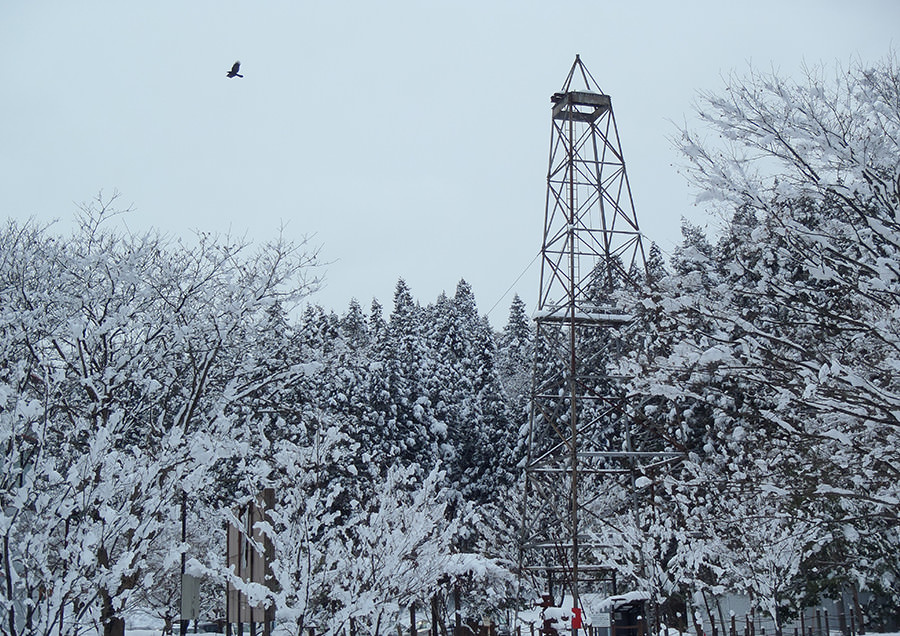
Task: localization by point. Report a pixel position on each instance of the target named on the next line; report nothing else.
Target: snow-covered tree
(465, 391)
(515, 358)
(399, 551)
(773, 353)
(121, 357)
(305, 526)
(405, 429)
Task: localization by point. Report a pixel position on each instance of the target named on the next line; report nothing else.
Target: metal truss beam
(581, 455)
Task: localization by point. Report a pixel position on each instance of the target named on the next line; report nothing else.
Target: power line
(514, 283)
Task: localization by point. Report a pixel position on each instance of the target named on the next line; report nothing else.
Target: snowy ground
(141, 624)
(145, 631)
(149, 630)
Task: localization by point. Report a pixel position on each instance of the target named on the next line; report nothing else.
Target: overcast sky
(408, 139)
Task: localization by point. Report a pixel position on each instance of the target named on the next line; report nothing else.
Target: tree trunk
(113, 625)
(709, 613)
(857, 609)
(7, 570)
(301, 624)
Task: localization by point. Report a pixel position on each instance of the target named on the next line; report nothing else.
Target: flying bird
(234, 70)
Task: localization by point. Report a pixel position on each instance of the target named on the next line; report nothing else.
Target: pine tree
(515, 357)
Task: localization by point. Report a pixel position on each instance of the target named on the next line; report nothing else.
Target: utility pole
(183, 623)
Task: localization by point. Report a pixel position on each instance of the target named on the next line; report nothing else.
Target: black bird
(234, 70)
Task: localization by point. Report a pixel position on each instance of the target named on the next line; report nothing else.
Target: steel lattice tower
(581, 434)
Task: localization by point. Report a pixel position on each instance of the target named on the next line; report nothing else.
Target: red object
(576, 618)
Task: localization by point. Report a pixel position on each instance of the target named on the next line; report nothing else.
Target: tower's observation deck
(580, 106)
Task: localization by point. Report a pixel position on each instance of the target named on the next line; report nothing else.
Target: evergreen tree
(515, 359)
(396, 389)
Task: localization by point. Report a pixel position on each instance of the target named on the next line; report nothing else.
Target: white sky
(410, 138)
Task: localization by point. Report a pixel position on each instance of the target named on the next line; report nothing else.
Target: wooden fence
(812, 622)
